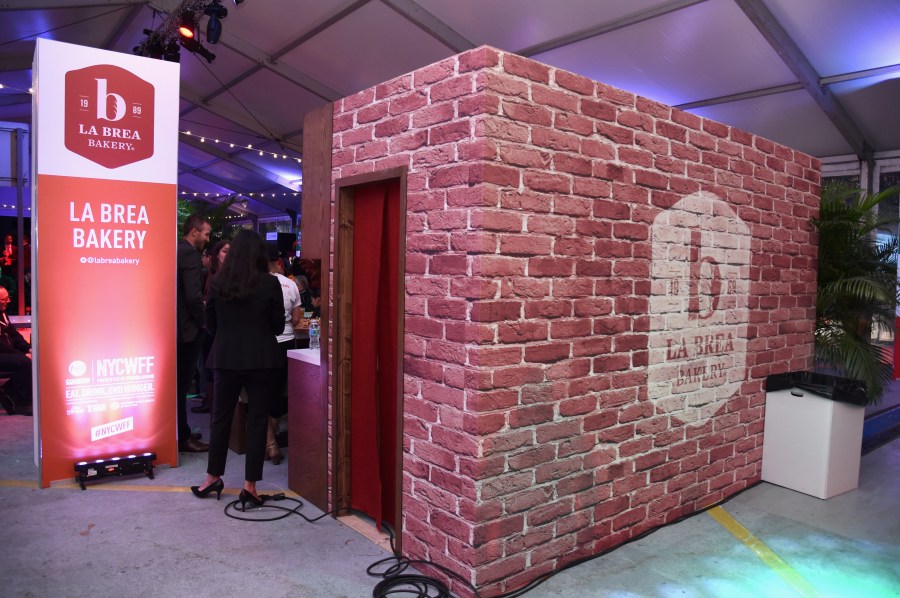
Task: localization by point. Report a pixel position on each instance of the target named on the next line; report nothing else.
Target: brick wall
(596, 287)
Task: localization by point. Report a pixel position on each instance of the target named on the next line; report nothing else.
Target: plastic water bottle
(314, 334)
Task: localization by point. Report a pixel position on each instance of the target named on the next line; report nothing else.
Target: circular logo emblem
(77, 368)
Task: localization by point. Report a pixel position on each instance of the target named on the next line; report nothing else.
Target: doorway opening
(370, 248)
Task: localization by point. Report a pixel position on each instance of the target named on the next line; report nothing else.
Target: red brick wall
(552, 403)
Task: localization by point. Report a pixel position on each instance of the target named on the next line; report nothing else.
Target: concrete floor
(137, 537)
(794, 545)
(132, 536)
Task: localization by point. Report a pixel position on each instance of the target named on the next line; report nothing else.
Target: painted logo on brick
(699, 307)
(109, 115)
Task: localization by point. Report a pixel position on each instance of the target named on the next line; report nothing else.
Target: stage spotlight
(192, 45)
(187, 28)
(214, 27)
(172, 53)
(150, 47)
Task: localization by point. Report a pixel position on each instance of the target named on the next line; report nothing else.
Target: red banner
(107, 366)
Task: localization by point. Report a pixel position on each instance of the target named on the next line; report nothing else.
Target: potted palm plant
(814, 420)
(857, 286)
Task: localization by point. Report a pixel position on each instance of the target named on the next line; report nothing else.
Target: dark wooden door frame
(343, 337)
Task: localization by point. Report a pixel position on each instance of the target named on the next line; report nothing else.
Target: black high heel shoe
(245, 497)
(216, 487)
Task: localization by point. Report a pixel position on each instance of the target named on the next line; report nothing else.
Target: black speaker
(285, 243)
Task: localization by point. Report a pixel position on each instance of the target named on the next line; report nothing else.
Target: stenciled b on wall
(700, 285)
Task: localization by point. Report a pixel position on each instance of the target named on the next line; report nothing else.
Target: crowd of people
(238, 306)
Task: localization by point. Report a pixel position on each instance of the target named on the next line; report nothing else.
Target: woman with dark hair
(244, 312)
(217, 258)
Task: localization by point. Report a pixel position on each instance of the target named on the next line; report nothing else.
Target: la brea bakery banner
(106, 130)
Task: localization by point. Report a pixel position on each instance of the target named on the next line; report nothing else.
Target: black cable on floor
(236, 507)
(395, 583)
(530, 585)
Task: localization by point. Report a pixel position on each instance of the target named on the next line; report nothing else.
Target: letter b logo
(103, 98)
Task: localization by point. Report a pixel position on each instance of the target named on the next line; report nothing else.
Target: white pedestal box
(811, 444)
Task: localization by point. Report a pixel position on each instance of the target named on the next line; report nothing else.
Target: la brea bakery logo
(699, 307)
(109, 115)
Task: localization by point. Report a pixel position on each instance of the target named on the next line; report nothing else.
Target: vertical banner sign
(106, 131)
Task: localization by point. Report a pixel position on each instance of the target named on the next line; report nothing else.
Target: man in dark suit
(15, 358)
(190, 320)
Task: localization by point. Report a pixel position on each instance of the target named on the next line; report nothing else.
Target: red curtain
(373, 379)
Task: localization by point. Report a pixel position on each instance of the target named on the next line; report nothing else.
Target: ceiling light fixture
(187, 28)
(182, 28)
(192, 45)
(214, 27)
(172, 53)
(155, 46)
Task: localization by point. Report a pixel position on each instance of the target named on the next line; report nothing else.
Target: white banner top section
(98, 119)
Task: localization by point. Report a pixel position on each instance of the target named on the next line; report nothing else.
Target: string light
(12, 207)
(204, 139)
(29, 90)
(214, 196)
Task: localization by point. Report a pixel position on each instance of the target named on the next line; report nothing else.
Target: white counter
(310, 356)
(20, 321)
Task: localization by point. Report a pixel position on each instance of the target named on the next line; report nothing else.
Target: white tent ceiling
(822, 76)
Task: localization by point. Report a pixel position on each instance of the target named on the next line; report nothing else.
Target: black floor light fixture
(88, 471)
